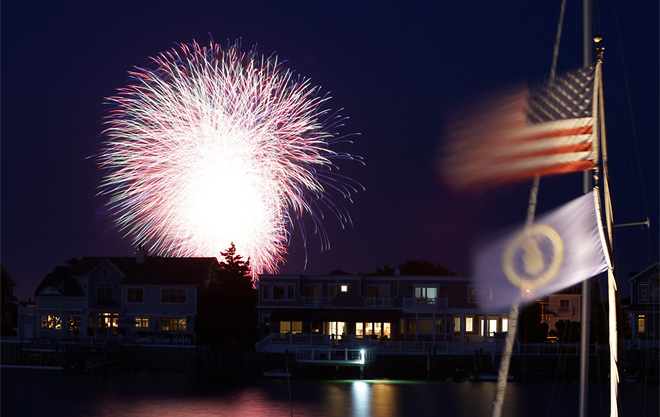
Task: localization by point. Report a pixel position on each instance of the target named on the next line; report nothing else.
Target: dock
(335, 356)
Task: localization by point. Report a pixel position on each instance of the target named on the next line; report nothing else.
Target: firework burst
(212, 146)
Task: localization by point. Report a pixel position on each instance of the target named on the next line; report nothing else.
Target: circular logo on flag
(533, 257)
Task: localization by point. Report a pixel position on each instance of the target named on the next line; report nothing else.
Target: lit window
(74, 322)
(173, 295)
(359, 329)
(344, 288)
(108, 320)
(457, 324)
(141, 322)
(105, 322)
(387, 327)
(291, 327)
(335, 327)
(469, 324)
(505, 325)
(51, 321)
(426, 295)
(492, 327)
(641, 323)
(134, 295)
(173, 324)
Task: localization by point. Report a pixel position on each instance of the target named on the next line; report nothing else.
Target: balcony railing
(378, 302)
(424, 302)
(317, 301)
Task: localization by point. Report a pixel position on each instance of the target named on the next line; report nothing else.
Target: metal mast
(586, 187)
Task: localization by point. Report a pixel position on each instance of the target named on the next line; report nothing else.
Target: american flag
(523, 132)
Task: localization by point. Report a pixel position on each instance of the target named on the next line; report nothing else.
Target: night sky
(395, 70)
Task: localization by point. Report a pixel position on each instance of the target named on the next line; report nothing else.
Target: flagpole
(611, 281)
(586, 187)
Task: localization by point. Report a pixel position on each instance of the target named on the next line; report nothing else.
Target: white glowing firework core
(217, 146)
(229, 198)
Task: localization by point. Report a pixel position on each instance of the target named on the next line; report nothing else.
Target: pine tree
(226, 313)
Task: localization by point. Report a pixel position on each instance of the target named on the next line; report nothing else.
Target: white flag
(562, 248)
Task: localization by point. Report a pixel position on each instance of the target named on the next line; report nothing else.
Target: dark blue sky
(395, 69)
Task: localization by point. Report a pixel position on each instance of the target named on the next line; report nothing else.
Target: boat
(277, 374)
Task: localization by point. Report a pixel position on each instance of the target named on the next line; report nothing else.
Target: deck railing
(344, 356)
(424, 302)
(295, 342)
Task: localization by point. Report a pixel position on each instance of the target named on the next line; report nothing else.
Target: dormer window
(50, 291)
(649, 292)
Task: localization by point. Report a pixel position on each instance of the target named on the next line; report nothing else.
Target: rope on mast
(505, 361)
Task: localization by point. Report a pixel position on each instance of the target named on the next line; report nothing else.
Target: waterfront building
(381, 311)
(142, 298)
(644, 308)
(562, 308)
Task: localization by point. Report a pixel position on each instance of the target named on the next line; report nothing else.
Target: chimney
(140, 255)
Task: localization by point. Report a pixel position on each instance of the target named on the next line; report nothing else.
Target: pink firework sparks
(214, 146)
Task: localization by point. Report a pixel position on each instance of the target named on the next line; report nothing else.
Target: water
(54, 394)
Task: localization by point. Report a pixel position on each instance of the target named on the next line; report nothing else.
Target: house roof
(154, 271)
(164, 271)
(6, 277)
(654, 267)
(60, 282)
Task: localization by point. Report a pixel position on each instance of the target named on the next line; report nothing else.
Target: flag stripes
(514, 136)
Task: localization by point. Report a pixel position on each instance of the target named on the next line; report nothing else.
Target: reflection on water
(163, 395)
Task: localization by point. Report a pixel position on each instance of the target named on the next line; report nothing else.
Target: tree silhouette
(417, 267)
(338, 272)
(530, 328)
(226, 308)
